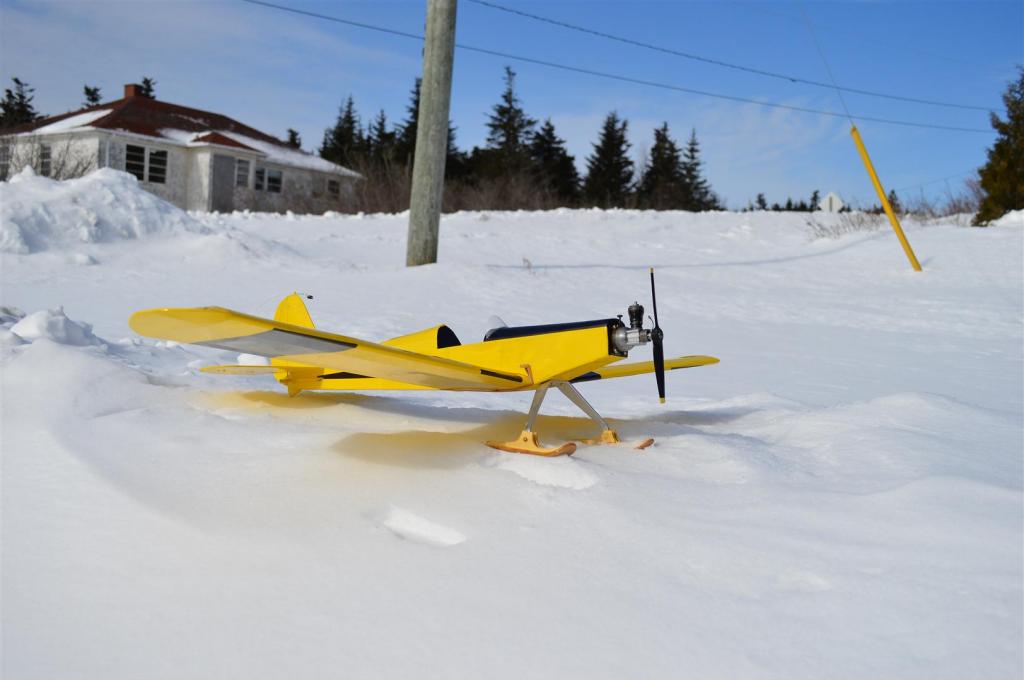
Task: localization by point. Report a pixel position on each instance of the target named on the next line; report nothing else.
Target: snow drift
(38, 213)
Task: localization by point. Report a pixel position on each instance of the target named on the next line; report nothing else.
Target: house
(831, 203)
(194, 159)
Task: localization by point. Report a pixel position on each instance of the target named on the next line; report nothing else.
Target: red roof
(146, 116)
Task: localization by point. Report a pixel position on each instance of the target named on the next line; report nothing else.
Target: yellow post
(885, 200)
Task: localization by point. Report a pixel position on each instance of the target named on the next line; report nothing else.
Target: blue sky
(274, 70)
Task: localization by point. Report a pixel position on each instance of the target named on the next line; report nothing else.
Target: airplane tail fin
(293, 310)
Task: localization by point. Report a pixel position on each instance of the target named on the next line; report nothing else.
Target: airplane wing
(623, 370)
(227, 329)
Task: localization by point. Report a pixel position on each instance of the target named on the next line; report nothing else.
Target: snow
(38, 213)
(840, 497)
(275, 153)
(285, 156)
(77, 121)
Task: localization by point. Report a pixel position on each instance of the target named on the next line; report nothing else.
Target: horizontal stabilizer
(623, 370)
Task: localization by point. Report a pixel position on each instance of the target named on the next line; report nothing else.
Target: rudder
(293, 310)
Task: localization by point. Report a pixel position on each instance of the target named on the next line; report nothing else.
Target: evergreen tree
(609, 168)
(762, 203)
(92, 96)
(509, 129)
(554, 168)
(380, 140)
(294, 140)
(815, 200)
(344, 143)
(405, 142)
(456, 163)
(663, 186)
(894, 201)
(148, 88)
(702, 196)
(789, 204)
(16, 107)
(1002, 177)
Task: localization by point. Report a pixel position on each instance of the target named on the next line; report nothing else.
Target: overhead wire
(613, 76)
(719, 62)
(935, 181)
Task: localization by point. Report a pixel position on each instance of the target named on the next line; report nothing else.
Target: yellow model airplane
(510, 359)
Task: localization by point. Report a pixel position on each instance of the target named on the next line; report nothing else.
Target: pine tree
(1002, 177)
(16, 107)
(148, 88)
(663, 186)
(554, 168)
(509, 129)
(92, 96)
(702, 196)
(789, 204)
(762, 203)
(404, 152)
(815, 200)
(405, 142)
(380, 140)
(609, 168)
(294, 140)
(344, 143)
(894, 201)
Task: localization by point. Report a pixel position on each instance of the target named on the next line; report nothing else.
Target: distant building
(831, 203)
(194, 159)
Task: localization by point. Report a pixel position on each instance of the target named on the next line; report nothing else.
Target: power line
(613, 76)
(936, 181)
(828, 69)
(718, 62)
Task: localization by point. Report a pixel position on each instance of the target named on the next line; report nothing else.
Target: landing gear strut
(528, 441)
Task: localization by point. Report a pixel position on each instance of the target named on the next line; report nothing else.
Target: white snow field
(840, 497)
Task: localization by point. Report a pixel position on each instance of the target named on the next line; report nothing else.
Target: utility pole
(431, 133)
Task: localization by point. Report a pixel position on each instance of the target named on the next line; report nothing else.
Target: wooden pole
(431, 133)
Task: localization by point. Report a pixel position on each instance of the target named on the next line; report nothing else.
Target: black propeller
(657, 336)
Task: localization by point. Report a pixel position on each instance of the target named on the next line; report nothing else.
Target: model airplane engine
(626, 339)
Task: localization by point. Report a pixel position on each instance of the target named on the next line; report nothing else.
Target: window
(135, 161)
(5, 161)
(148, 165)
(45, 160)
(274, 179)
(158, 167)
(241, 173)
(334, 187)
(258, 176)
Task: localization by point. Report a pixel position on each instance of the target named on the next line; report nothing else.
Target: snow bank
(53, 325)
(38, 214)
(1014, 218)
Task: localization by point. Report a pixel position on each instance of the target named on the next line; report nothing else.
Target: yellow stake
(885, 201)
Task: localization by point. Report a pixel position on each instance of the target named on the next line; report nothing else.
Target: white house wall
(70, 155)
(189, 171)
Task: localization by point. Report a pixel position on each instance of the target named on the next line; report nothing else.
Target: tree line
(523, 164)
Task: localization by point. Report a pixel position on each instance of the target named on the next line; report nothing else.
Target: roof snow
(78, 121)
(274, 153)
